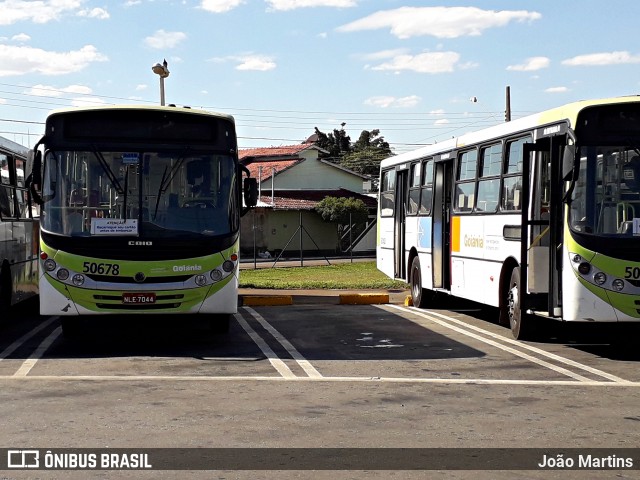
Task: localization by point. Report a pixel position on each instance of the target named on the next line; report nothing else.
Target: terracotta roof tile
(283, 151)
(266, 169)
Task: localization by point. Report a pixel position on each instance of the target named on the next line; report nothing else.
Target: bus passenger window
(414, 190)
(463, 201)
(488, 191)
(466, 185)
(512, 185)
(427, 188)
(5, 203)
(387, 193)
(511, 189)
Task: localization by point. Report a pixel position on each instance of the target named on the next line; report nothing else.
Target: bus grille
(138, 307)
(114, 279)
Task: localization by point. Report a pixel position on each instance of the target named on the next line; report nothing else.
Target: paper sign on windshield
(114, 226)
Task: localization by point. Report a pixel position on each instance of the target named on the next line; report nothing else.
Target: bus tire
(521, 324)
(419, 295)
(220, 323)
(5, 289)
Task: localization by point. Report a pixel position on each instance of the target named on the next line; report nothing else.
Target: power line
(276, 119)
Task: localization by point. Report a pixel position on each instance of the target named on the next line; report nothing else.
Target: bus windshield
(606, 197)
(150, 193)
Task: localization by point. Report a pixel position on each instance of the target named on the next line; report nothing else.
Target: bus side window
(512, 181)
(466, 181)
(489, 182)
(427, 188)
(5, 203)
(387, 193)
(414, 190)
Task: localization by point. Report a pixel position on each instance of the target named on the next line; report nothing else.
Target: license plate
(138, 298)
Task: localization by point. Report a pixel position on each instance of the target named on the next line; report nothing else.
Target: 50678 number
(632, 273)
(101, 268)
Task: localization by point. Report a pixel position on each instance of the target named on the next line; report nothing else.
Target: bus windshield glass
(150, 193)
(606, 196)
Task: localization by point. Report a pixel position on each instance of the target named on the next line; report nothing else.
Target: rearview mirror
(568, 161)
(250, 192)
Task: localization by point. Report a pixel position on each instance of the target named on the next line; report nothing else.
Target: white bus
(539, 217)
(18, 229)
(140, 214)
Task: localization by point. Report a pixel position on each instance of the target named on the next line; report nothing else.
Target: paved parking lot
(317, 374)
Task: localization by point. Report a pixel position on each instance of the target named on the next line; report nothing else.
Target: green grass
(359, 275)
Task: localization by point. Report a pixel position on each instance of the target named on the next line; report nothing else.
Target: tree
(367, 153)
(337, 143)
(363, 156)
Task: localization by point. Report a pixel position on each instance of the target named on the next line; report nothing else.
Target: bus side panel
(479, 251)
(16, 248)
(384, 250)
(476, 280)
(411, 235)
(423, 247)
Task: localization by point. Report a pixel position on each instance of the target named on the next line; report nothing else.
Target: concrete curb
(258, 300)
(363, 298)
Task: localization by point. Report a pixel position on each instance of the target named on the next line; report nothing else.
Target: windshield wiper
(105, 167)
(168, 178)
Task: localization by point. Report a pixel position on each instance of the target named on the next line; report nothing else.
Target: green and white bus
(140, 212)
(18, 228)
(539, 217)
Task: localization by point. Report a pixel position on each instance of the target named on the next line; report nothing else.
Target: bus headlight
(78, 279)
(599, 278)
(62, 274)
(49, 265)
(201, 280)
(216, 275)
(618, 284)
(584, 268)
(576, 258)
(228, 266)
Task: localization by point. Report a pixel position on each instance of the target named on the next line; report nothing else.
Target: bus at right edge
(539, 217)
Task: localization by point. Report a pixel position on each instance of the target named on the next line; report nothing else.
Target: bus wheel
(521, 324)
(219, 323)
(418, 294)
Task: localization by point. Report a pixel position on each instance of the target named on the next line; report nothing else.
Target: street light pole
(162, 71)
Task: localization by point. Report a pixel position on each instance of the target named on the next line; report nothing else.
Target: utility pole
(507, 112)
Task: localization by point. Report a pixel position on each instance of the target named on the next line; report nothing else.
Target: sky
(418, 71)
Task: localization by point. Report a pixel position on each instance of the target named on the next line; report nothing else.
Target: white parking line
(15, 345)
(278, 364)
(407, 380)
(303, 362)
(447, 323)
(30, 362)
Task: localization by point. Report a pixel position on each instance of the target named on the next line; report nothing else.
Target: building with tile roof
(292, 180)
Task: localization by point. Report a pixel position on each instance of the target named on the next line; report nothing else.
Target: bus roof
(6, 144)
(567, 112)
(188, 110)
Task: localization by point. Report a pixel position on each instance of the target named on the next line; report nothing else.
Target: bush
(342, 210)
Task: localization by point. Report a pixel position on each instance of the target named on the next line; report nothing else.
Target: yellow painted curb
(266, 300)
(363, 298)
